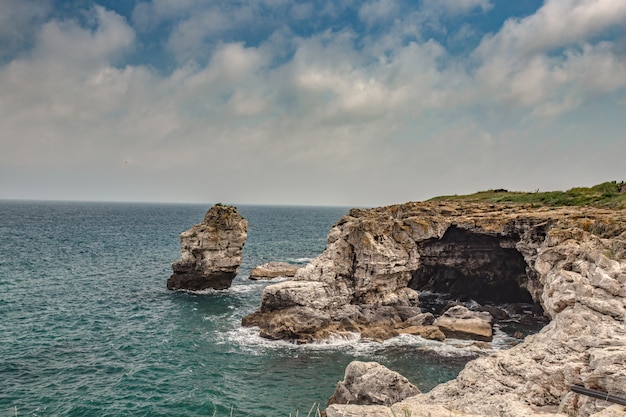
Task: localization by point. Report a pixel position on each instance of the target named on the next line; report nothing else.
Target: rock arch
(469, 265)
(575, 267)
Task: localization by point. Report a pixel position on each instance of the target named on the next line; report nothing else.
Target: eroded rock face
(483, 267)
(575, 269)
(272, 270)
(211, 251)
(368, 383)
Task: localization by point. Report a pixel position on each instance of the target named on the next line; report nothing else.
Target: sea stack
(210, 251)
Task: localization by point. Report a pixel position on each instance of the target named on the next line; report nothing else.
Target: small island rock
(272, 270)
(211, 251)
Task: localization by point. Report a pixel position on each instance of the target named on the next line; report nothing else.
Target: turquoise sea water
(88, 328)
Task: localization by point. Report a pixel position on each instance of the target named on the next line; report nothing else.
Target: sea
(88, 328)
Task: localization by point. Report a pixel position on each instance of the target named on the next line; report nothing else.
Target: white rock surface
(272, 270)
(369, 383)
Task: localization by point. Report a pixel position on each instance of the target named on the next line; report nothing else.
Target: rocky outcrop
(273, 270)
(461, 323)
(367, 383)
(211, 251)
(570, 261)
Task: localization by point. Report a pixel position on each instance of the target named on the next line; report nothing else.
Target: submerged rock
(272, 270)
(211, 251)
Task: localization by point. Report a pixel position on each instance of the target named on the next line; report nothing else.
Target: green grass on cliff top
(608, 194)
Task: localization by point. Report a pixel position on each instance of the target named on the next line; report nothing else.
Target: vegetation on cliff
(610, 194)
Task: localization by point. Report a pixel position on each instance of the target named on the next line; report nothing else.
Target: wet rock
(427, 332)
(461, 323)
(378, 333)
(211, 251)
(422, 319)
(497, 313)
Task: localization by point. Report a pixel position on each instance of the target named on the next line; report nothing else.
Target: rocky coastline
(568, 263)
(210, 251)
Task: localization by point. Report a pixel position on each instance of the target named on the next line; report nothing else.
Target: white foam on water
(246, 288)
(248, 340)
(265, 282)
(501, 340)
(299, 260)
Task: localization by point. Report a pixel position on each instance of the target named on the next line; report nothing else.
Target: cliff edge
(570, 261)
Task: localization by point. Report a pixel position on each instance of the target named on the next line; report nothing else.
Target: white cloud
(342, 120)
(376, 11)
(518, 66)
(19, 20)
(558, 23)
(188, 39)
(67, 42)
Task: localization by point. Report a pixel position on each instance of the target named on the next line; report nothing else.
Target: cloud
(67, 80)
(147, 15)
(552, 60)
(377, 11)
(19, 20)
(66, 41)
(557, 24)
(329, 117)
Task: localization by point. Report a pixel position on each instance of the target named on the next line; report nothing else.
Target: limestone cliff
(569, 260)
(211, 251)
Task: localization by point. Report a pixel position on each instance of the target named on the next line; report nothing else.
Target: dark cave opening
(466, 265)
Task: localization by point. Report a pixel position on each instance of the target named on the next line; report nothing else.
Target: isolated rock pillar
(211, 251)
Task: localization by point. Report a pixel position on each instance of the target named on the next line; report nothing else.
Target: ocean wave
(248, 287)
(247, 339)
(501, 340)
(298, 260)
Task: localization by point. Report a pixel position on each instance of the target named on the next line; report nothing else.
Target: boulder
(272, 270)
(210, 251)
(497, 313)
(461, 323)
(427, 332)
(367, 383)
(422, 319)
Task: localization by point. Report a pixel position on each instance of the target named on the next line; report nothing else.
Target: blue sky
(357, 103)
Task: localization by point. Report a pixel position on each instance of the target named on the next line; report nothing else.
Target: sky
(312, 102)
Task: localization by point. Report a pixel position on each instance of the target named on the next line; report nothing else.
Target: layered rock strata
(573, 264)
(273, 270)
(211, 251)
